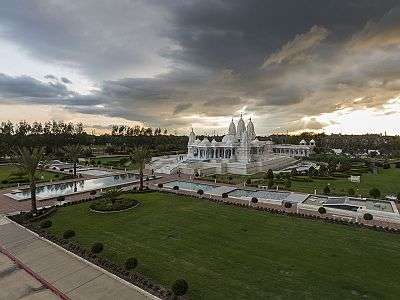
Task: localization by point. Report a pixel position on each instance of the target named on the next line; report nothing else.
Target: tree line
(54, 135)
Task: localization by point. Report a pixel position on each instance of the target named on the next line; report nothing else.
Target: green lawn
(227, 252)
(10, 175)
(387, 181)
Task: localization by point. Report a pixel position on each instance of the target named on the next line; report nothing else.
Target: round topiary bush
(368, 217)
(288, 204)
(322, 210)
(68, 234)
(254, 200)
(4, 181)
(131, 263)
(160, 185)
(224, 195)
(180, 287)
(97, 248)
(61, 198)
(46, 224)
(200, 192)
(176, 188)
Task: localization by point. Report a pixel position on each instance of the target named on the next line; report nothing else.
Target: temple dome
(228, 139)
(303, 142)
(232, 128)
(241, 127)
(312, 142)
(213, 142)
(192, 137)
(250, 130)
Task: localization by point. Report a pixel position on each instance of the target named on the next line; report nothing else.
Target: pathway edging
(140, 290)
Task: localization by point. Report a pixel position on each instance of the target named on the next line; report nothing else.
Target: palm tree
(73, 152)
(29, 161)
(140, 156)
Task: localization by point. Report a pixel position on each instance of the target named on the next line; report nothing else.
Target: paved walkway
(67, 273)
(15, 283)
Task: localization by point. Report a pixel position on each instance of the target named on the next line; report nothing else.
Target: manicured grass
(227, 252)
(387, 181)
(13, 176)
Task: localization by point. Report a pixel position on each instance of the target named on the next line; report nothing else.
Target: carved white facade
(242, 145)
(239, 152)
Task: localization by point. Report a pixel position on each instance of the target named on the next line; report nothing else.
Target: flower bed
(105, 205)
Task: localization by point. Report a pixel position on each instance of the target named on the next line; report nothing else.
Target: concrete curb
(140, 290)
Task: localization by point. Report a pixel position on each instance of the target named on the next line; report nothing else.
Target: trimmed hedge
(176, 188)
(200, 192)
(180, 287)
(97, 248)
(131, 263)
(368, 217)
(288, 204)
(68, 234)
(160, 185)
(46, 224)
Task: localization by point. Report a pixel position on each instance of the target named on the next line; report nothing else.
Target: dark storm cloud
(28, 87)
(65, 80)
(182, 107)
(278, 59)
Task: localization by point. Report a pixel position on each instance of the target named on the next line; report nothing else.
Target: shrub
(160, 185)
(131, 263)
(68, 234)
(180, 287)
(322, 210)
(200, 192)
(4, 181)
(56, 175)
(351, 192)
(97, 248)
(93, 193)
(375, 193)
(288, 204)
(398, 164)
(386, 166)
(368, 217)
(46, 224)
(224, 195)
(176, 188)
(61, 198)
(113, 205)
(327, 190)
(248, 181)
(254, 200)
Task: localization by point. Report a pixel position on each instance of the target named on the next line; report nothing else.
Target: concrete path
(67, 273)
(15, 283)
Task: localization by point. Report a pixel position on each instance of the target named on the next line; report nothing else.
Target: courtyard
(227, 252)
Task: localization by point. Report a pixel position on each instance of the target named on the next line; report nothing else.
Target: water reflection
(66, 188)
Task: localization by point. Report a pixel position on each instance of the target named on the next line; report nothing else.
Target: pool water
(68, 188)
(260, 194)
(190, 186)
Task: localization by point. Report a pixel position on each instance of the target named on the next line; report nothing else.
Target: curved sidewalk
(74, 277)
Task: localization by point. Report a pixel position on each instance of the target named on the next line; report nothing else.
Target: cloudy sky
(331, 65)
